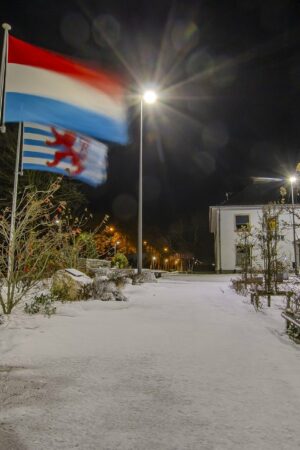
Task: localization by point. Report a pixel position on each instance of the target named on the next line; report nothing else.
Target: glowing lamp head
(293, 179)
(150, 97)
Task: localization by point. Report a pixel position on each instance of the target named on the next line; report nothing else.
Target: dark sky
(229, 78)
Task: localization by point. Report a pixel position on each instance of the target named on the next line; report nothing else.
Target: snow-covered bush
(238, 285)
(42, 303)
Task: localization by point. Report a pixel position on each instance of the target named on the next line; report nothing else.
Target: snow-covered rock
(145, 277)
(71, 282)
(109, 286)
(91, 266)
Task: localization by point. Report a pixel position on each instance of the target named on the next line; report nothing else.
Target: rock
(102, 285)
(100, 271)
(120, 297)
(91, 266)
(109, 286)
(145, 277)
(72, 284)
(107, 297)
(97, 263)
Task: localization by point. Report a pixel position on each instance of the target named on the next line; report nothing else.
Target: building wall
(226, 236)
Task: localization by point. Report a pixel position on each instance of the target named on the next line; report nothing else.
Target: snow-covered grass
(184, 364)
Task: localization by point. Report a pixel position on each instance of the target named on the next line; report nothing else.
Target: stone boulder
(91, 266)
(145, 277)
(108, 283)
(72, 284)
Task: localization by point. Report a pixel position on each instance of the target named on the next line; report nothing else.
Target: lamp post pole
(140, 203)
(294, 226)
(148, 97)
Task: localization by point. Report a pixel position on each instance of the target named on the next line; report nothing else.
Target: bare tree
(271, 228)
(25, 256)
(245, 244)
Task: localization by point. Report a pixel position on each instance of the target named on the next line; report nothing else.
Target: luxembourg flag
(46, 88)
(52, 149)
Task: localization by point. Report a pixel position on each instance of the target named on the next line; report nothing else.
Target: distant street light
(149, 97)
(293, 180)
(153, 262)
(116, 244)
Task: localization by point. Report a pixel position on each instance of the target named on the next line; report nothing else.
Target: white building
(226, 221)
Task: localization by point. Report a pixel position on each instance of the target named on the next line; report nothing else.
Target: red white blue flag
(47, 88)
(52, 149)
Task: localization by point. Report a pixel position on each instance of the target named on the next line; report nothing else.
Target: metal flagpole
(6, 28)
(11, 245)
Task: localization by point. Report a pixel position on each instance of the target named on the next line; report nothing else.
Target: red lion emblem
(67, 140)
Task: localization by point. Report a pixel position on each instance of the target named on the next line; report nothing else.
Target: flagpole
(6, 28)
(11, 245)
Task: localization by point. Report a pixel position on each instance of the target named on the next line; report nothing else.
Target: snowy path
(184, 365)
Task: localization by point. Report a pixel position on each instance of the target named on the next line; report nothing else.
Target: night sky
(228, 74)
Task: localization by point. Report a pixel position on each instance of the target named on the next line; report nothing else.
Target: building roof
(259, 194)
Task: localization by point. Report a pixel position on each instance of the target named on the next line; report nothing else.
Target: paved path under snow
(185, 364)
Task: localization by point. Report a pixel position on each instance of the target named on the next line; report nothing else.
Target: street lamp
(153, 262)
(149, 97)
(116, 244)
(293, 180)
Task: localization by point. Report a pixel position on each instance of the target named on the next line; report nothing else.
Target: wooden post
(288, 300)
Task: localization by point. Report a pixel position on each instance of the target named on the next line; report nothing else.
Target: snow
(184, 364)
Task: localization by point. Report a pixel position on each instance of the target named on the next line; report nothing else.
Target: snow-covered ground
(184, 364)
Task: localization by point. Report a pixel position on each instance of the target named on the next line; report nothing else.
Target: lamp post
(149, 97)
(292, 181)
(116, 244)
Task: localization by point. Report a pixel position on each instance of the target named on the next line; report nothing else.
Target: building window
(242, 255)
(242, 222)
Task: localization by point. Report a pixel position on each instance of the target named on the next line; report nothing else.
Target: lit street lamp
(153, 262)
(293, 180)
(149, 97)
(116, 244)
